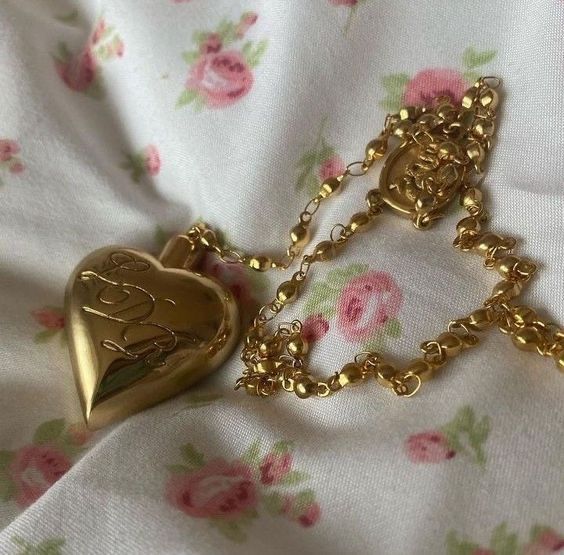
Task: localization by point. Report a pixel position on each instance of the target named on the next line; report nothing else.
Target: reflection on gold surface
(140, 333)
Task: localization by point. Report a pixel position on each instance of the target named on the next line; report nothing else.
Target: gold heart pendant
(141, 330)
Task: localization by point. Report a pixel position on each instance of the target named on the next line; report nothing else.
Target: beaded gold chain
(441, 155)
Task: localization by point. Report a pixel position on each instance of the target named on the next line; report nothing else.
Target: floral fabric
(123, 124)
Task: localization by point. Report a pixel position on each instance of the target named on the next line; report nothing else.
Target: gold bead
(559, 359)
(448, 151)
(269, 347)
(359, 221)
(297, 345)
(287, 291)
(476, 153)
(409, 112)
(259, 263)
(402, 128)
(469, 224)
(325, 250)
(489, 99)
(421, 368)
(469, 97)
(376, 148)
(507, 289)
(384, 374)
(299, 235)
(374, 198)
(428, 121)
(527, 338)
(471, 197)
(350, 374)
(446, 112)
(450, 343)
(484, 128)
(489, 241)
(304, 387)
(330, 186)
(208, 239)
(523, 315)
(254, 335)
(481, 319)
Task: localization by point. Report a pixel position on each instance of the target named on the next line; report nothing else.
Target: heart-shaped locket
(141, 331)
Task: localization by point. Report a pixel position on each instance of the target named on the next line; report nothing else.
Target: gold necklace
(142, 329)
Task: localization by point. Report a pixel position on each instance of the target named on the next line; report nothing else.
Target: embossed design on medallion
(145, 341)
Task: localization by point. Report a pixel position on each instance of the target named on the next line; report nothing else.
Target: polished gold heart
(140, 332)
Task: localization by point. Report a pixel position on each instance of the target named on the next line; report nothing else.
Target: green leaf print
(192, 456)
(503, 543)
(191, 56)
(254, 55)
(472, 58)
(252, 455)
(186, 97)
(231, 529)
(52, 546)
(273, 503)
(294, 477)
(49, 431)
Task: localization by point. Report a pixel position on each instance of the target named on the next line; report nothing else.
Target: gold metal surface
(140, 332)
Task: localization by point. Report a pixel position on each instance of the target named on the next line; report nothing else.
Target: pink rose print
(28, 472)
(366, 303)
(152, 160)
(218, 490)
(52, 319)
(247, 20)
(232, 494)
(429, 84)
(544, 541)
(274, 468)
(331, 167)
(34, 469)
(221, 78)
(8, 159)
(343, 2)
(429, 447)
(211, 44)
(221, 73)
(8, 149)
(81, 71)
(436, 446)
(145, 162)
(302, 509)
(318, 163)
(423, 88)
(315, 328)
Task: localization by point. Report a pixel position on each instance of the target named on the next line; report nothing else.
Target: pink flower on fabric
(343, 2)
(234, 277)
(307, 515)
(548, 541)
(220, 489)
(8, 149)
(211, 44)
(98, 32)
(331, 167)
(315, 327)
(428, 84)
(79, 434)
(34, 469)
(274, 467)
(366, 303)
(49, 318)
(221, 78)
(429, 447)
(80, 72)
(17, 167)
(152, 160)
(248, 19)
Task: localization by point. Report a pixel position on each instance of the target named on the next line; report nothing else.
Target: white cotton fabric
(235, 168)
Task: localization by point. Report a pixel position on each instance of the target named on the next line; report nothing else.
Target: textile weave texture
(123, 122)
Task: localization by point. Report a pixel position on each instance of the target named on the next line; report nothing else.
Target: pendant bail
(180, 252)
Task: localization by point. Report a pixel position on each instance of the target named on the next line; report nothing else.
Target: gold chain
(451, 144)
